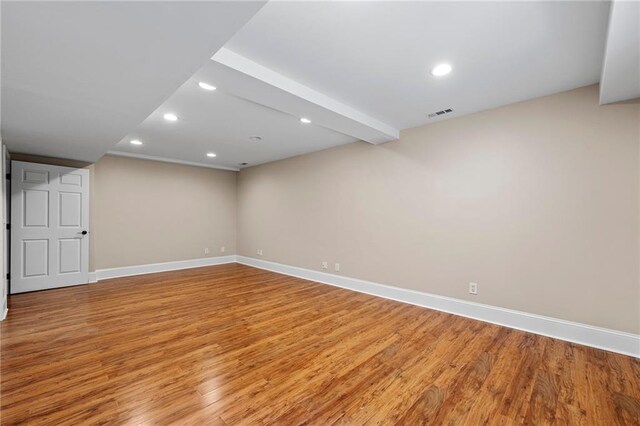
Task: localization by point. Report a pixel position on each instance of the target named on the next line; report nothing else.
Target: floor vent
(438, 113)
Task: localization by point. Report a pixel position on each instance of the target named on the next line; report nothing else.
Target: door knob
(84, 232)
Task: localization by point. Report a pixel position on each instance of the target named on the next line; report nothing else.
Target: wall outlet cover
(473, 288)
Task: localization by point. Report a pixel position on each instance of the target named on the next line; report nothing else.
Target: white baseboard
(93, 277)
(601, 338)
(5, 310)
(103, 274)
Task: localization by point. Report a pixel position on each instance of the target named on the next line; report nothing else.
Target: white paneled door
(49, 226)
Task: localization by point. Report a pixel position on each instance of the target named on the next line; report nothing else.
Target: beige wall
(537, 202)
(150, 212)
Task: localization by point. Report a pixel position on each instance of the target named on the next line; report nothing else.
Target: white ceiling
(78, 76)
(221, 122)
(376, 56)
(75, 88)
(260, 84)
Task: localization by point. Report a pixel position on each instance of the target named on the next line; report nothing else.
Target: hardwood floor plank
(234, 345)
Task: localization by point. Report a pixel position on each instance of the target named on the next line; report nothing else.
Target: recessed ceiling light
(305, 120)
(211, 154)
(135, 142)
(206, 86)
(255, 138)
(170, 117)
(440, 70)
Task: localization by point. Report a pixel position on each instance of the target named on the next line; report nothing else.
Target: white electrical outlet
(473, 288)
(337, 267)
(259, 252)
(223, 249)
(206, 250)
(325, 265)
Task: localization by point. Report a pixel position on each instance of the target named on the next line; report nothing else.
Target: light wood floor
(232, 345)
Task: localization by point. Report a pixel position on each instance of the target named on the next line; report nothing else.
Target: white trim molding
(5, 311)
(126, 271)
(597, 337)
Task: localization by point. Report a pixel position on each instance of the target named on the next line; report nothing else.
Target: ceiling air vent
(439, 113)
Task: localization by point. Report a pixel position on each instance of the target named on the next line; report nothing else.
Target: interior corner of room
(448, 187)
